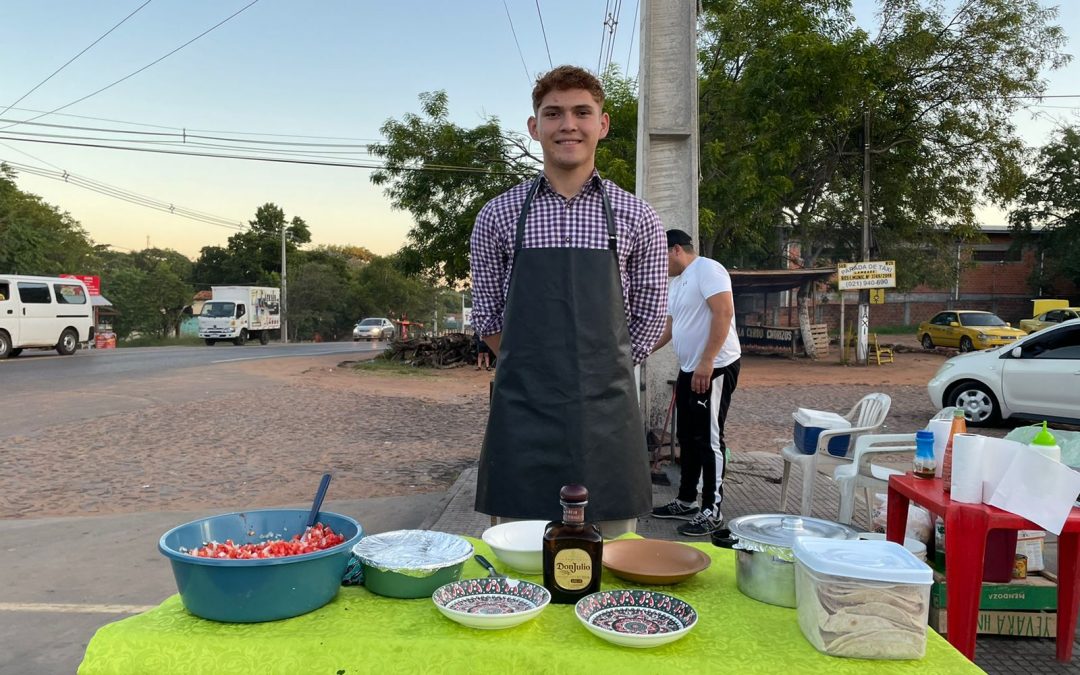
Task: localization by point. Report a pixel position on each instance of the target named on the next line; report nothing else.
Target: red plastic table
(966, 526)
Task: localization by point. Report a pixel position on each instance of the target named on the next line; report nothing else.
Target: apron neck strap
(609, 215)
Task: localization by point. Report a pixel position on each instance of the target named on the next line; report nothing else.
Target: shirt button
(568, 240)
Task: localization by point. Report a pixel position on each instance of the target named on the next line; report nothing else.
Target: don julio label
(573, 569)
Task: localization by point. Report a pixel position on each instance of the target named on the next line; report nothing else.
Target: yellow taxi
(967, 330)
(1050, 318)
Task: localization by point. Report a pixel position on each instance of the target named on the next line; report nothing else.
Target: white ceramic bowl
(491, 603)
(636, 618)
(520, 545)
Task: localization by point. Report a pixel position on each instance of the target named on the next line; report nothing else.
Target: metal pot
(765, 562)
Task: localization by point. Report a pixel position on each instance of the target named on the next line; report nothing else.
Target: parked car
(374, 329)
(1051, 318)
(967, 330)
(1036, 378)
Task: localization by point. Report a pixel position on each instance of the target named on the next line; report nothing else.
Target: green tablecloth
(359, 632)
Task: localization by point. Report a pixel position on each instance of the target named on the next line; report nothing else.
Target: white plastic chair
(861, 473)
(866, 417)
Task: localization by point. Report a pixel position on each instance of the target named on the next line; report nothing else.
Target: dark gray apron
(564, 408)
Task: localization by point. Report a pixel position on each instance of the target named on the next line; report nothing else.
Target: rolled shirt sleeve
(647, 298)
(490, 267)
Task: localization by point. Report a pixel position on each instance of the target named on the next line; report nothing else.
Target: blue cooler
(810, 423)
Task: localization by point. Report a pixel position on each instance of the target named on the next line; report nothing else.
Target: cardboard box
(1017, 624)
(1036, 592)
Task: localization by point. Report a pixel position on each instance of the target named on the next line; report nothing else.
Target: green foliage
(149, 288)
(36, 237)
(253, 257)
(1049, 213)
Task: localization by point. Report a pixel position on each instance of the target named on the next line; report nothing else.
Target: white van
(43, 312)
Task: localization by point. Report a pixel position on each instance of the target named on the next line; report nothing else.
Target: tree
(1049, 211)
(253, 256)
(149, 289)
(36, 237)
(443, 174)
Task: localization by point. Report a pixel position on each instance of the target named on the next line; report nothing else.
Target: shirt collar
(590, 185)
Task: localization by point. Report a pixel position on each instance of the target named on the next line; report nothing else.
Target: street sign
(863, 275)
(877, 296)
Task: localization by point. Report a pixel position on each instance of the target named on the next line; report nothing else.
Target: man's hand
(702, 379)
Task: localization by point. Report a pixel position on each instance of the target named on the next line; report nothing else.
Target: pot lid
(419, 550)
(781, 529)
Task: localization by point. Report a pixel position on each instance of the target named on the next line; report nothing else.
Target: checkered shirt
(578, 222)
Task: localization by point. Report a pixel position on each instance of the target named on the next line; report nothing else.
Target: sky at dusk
(327, 73)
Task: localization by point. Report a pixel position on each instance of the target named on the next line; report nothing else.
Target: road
(98, 383)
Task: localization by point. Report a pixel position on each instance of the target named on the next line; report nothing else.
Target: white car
(1035, 378)
(373, 329)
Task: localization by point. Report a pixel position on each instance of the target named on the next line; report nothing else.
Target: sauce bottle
(925, 464)
(959, 426)
(573, 550)
(1044, 443)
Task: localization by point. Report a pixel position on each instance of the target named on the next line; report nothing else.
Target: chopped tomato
(316, 538)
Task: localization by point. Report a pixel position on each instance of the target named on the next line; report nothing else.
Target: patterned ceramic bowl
(636, 618)
(491, 603)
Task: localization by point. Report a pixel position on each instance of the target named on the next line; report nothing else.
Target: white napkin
(967, 468)
(1039, 489)
(998, 454)
(940, 428)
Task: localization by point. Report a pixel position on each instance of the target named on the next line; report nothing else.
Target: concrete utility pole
(862, 348)
(667, 148)
(284, 291)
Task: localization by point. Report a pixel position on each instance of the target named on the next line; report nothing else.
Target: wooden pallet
(819, 333)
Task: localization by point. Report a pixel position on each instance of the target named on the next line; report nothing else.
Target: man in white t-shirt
(701, 324)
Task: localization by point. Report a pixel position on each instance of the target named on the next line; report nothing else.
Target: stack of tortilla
(862, 619)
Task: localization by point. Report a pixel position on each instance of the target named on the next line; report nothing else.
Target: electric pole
(862, 348)
(284, 290)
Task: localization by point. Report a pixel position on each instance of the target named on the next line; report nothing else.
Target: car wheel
(5, 345)
(927, 342)
(242, 338)
(966, 345)
(264, 337)
(69, 342)
(978, 403)
(210, 342)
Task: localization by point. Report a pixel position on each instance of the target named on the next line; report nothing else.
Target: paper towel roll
(967, 468)
(940, 428)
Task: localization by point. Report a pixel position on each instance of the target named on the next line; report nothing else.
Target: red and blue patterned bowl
(636, 618)
(491, 603)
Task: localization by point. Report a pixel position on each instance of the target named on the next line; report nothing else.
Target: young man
(569, 291)
(701, 323)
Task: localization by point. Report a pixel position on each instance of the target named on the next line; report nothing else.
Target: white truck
(240, 313)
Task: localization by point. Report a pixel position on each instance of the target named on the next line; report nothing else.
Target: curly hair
(564, 78)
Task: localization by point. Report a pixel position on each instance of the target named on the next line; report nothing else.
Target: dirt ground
(381, 434)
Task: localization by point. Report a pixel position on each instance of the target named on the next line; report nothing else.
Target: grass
(381, 366)
(149, 341)
(895, 330)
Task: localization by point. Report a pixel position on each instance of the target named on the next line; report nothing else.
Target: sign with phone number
(863, 275)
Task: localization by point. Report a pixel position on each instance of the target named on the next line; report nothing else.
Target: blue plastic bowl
(249, 591)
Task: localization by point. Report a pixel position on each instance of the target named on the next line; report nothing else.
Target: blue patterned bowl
(491, 603)
(636, 618)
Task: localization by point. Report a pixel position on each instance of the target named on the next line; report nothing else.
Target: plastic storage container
(862, 599)
(810, 423)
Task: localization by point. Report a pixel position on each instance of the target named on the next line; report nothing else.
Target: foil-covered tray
(414, 553)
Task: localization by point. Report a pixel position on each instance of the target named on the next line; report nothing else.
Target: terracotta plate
(653, 561)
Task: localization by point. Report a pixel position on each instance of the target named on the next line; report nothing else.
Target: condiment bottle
(925, 464)
(959, 426)
(573, 550)
(1044, 443)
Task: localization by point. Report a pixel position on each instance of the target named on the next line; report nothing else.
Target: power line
(616, 13)
(278, 160)
(633, 30)
(603, 36)
(514, 32)
(158, 60)
(72, 59)
(542, 30)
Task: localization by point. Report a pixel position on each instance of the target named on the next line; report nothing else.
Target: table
(359, 632)
(966, 527)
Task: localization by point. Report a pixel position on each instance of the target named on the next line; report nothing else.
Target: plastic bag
(919, 522)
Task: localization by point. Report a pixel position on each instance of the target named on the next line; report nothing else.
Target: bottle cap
(1044, 437)
(959, 412)
(924, 435)
(574, 494)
